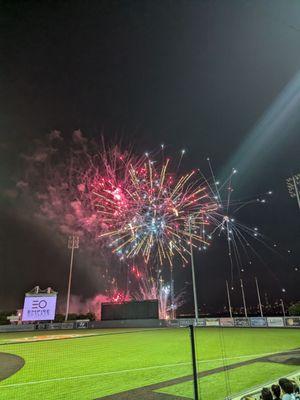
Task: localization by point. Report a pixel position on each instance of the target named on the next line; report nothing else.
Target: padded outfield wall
(252, 322)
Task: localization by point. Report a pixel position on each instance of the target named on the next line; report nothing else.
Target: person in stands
(296, 389)
(276, 392)
(266, 394)
(287, 389)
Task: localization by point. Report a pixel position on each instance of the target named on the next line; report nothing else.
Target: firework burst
(224, 222)
(151, 213)
(149, 288)
(59, 175)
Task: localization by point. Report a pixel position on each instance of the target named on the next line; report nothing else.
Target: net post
(194, 362)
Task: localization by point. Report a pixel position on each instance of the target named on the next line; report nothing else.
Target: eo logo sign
(36, 304)
(39, 308)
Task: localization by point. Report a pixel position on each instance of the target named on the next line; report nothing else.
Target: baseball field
(142, 364)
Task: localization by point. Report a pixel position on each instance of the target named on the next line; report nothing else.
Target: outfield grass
(115, 361)
(222, 385)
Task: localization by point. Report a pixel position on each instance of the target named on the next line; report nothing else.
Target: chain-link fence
(91, 364)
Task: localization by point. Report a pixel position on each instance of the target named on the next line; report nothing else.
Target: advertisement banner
(226, 321)
(275, 322)
(191, 321)
(258, 322)
(243, 322)
(39, 308)
(14, 328)
(82, 324)
(186, 322)
(292, 321)
(67, 325)
(212, 322)
(41, 327)
(174, 323)
(55, 326)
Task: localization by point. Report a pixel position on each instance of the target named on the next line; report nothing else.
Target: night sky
(218, 78)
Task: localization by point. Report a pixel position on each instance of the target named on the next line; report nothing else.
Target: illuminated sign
(39, 308)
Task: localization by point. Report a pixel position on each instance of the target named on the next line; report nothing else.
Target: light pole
(282, 306)
(293, 185)
(229, 301)
(193, 272)
(172, 295)
(73, 243)
(244, 299)
(258, 295)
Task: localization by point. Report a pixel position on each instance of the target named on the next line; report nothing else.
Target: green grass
(95, 366)
(222, 385)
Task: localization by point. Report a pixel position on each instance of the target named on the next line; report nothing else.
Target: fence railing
(252, 322)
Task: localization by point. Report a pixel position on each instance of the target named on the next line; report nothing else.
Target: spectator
(266, 394)
(276, 392)
(296, 390)
(287, 389)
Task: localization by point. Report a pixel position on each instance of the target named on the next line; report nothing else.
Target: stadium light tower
(193, 271)
(293, 186)
(258, 296)
(282, 307)
(73, 243)
(244, 299)
(228, 298)
(172, 294)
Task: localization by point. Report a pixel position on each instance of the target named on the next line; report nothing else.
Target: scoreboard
(147, 309)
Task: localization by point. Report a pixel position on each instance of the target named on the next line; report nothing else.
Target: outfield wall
(252, 322)
(242, 322)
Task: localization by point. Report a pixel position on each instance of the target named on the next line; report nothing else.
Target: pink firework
(59, 177)
(154, 212)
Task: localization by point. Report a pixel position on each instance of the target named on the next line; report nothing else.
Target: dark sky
(219, 78)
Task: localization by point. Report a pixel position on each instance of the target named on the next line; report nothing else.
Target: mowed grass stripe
(222, 384)
(208, 362)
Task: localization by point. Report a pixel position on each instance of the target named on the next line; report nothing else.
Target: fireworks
(130, 209)
(149, 288)
(137, 207)
(55, 189)
(238, 236)
(60, 176)
(153, 212)
(140, 206)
